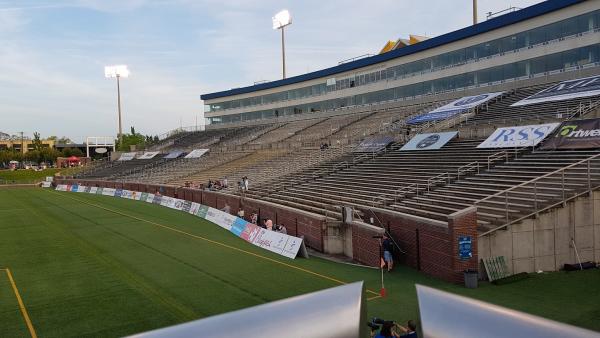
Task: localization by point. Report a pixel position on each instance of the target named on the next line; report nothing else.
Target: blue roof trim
(486, 26)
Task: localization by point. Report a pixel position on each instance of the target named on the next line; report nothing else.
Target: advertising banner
(148, 155)
(202, 211)
(126, 157)
(521, 136)
(99, 191)
(61, 187)
(174, 154)
(220, 218)
(46, 184)
(566, 90)
(429, 141)
(108, 191)
(81, 189)
(455, 107)
(93, 190)
(194, 209)
(577, 134)
(156, 199)
(196, 153)
(373, 143)
(118, 192)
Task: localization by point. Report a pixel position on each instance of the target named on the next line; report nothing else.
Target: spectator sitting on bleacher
(269, 224)
(240, 213)
(264, 223)
(225, 182)
(254, 218)
(210, 185)
(281, 228)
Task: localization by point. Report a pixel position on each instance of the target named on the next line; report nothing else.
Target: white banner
(46, 184)
(61, 187)
(196, 153)
(127, 156)
(93, 190)
(108, 191)
(429, 141)
(455, 107)
(521, 136)
(220, 218)
(148, 155)
(566, 90)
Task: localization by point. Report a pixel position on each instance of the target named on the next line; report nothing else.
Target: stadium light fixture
(118, 71)
(280, 20)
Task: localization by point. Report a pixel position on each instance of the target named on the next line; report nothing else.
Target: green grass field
(23, 175)
(88, 265)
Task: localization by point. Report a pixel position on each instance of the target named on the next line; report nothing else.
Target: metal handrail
(468, 168)
(535, 182)
(538, 178)
(441, 178)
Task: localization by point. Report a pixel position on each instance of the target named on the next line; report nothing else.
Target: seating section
(116, 169)
(284, 132)
(285, 165)
(177, 170)
(501, 113)
(463, 192)
(385, 178)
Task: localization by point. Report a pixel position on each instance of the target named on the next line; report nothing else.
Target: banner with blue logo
(521, 136)
(566, 90)
(429, 141)
(454, 108)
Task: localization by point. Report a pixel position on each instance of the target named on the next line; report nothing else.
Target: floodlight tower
(118, 71)
(280, 20)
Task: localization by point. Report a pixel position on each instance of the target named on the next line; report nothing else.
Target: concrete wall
(544, 243)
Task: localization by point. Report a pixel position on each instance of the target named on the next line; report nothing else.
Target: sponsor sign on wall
(521, 136)
(566, 90)
(374, 143)
(455, 107)
(196, 153)
(578, 134)
(127, 156)
(429, 141)
(148, 155)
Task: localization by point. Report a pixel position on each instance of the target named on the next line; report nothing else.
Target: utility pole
(474, 12)
(22, 143)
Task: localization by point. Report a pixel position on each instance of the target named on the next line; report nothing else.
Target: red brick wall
(464, 224)
(365, 248)
(430, 248)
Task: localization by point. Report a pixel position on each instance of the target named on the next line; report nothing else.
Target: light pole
(118, 71)
(280, 20)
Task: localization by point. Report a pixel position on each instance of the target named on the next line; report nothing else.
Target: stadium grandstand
(451, 137)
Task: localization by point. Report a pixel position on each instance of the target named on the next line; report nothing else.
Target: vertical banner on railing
(273, 241)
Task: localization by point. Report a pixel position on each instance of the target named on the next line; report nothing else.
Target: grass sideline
(86, 269)
(27, 175)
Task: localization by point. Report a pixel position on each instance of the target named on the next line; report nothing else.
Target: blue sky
(53, 53)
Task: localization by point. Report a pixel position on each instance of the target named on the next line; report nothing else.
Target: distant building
(18, 144)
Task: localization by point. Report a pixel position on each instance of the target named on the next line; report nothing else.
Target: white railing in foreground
(568, 182)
